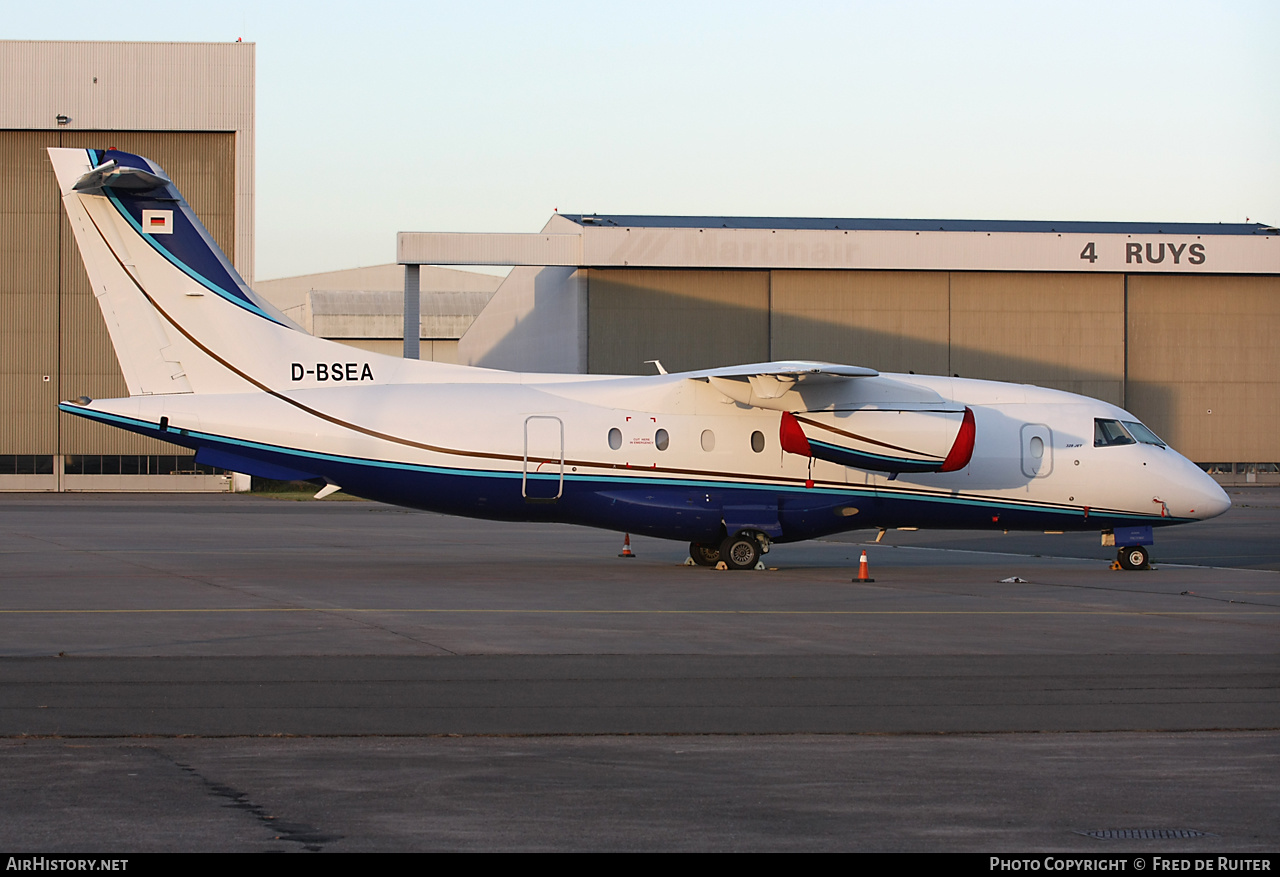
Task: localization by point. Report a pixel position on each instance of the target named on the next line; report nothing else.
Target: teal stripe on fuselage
(884, 492)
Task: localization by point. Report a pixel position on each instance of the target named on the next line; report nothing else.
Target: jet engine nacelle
(883, 440)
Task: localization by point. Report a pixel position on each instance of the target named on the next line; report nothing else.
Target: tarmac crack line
(744, 612)
(311, 839)
(1153, 593)
(1076, 557)
(345, 613)
(250, 593)
(93, 552)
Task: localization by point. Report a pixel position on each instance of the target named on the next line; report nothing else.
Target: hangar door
(686, 319)
(55, 345)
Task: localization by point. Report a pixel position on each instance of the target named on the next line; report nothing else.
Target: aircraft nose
(1204, 497)
(1214, 500)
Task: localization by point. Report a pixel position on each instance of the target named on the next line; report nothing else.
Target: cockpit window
(1109, 433)
(1142, 434)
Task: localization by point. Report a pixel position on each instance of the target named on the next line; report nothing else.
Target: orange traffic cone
(864, 571)
(626, 546)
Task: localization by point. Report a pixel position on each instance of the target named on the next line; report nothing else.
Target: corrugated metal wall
(687, 319)
(891, 320)
(30, 223)
(1204, 364)
(52, 324)
(1064, 331)
(153, 85)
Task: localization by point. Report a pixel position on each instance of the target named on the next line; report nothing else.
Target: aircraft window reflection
(1142, 434)
(615, 438)
(757, 441)
(1109, 433)
(661, 439)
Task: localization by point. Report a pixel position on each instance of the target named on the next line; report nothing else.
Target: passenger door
(543, 477)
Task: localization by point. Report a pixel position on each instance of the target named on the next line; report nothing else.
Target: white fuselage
(520, 433)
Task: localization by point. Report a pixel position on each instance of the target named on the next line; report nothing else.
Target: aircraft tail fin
(181, 318)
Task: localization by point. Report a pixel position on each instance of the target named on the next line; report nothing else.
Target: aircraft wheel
(1134, 557)
(741, 551)
(703, 554)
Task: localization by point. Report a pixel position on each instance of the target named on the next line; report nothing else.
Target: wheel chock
(688, 561)
(721, 565)
(1115, 564)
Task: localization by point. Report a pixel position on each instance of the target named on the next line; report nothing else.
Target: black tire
(703, 554)
(1134, 557)
(740, 552)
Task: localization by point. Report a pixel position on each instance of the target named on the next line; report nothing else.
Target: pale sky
(379, 117)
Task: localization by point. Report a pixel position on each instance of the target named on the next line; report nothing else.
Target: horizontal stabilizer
(130, 179)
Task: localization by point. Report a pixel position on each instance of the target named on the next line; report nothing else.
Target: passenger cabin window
(661, 439)
(1109, 433)
(615, 438)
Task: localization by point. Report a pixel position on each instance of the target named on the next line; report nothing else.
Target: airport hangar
(1178, 330)
(190, 107)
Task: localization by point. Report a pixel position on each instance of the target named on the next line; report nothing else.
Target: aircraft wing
(884, 425)
(761, 384)
(794, 369)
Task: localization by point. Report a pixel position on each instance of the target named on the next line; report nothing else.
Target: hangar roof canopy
(724, 242)
(970, 225)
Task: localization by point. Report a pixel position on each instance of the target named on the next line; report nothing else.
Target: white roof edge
(878, 249)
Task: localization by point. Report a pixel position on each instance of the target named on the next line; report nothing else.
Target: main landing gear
(704, 554)
(742, 550)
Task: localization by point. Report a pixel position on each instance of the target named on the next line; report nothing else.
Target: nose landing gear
(1132, 543)
(1134, 557)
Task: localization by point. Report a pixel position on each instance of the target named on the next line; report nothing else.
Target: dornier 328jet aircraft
(729, 459)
